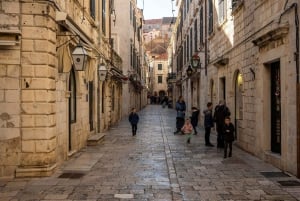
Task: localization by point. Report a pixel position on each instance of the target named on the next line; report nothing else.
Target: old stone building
(48, 109)
(157, 34)
(249, 55)
(128, 43)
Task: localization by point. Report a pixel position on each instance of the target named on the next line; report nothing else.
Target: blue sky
(155, 9)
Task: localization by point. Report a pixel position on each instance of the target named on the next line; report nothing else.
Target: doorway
(238, 102)
(275, 107)
(72, 105)
(222, 88)
(91, 105)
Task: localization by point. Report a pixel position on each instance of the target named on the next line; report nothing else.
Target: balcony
(116, 60)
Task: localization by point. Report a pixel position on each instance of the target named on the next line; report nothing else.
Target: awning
(90, 70)
(64, 56)
(118, 74)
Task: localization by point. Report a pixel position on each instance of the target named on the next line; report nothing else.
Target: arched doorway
(238, 101)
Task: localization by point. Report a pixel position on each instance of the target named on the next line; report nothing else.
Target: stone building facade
(128, 43)
(160, 74)
(249, 57)
(47, 109)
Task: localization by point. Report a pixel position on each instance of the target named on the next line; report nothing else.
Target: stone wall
(10, 135)
(249, 23)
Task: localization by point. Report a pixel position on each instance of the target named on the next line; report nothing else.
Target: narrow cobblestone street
(154, 165)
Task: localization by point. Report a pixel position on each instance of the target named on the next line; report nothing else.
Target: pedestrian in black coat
(134, 120)
(180, 108)
(208, 123)
(194, 119)
(221, 111)
(228, 133)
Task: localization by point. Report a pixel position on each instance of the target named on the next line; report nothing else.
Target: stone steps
(95, 139)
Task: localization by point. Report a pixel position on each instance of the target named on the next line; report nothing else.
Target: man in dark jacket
(208, 123)
(180, 108)
(134, 120)
(221, 111)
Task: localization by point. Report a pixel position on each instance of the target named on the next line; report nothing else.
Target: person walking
(228, 132)
(208, 123)
(134, 120)
(165, 101)
(187, 130)
(180, 108)
(194, 119)
(221, 111)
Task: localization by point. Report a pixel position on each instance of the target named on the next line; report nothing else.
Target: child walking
(187, 129)
(194, 119)
(228, 132)
(134, 120)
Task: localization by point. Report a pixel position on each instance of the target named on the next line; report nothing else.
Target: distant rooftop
(153, 21)
(168, 20)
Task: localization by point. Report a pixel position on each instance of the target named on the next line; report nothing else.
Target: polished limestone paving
(155, 165)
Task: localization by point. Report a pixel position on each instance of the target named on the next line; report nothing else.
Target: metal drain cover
(71, 175)
(274, 174)
(289, 183)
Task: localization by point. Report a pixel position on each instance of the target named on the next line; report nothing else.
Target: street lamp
(196, 61)
(102, 71)
(79, 56)
(189, 71)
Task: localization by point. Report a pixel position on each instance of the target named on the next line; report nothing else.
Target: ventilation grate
(274, 174)
(71, 175)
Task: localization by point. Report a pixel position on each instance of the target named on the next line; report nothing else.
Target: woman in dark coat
(180, 108)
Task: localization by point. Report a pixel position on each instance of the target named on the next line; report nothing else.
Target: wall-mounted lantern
(196, 61)
(102, 71)
(189, 71)
(79, 56)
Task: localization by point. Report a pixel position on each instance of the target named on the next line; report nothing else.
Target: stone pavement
(155, 165)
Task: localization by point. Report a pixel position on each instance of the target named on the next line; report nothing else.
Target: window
(130, 11)
(222, 11)
(201, 27)
(159, 66)
(184, 53)
(159, 79)
(103, 17)
(187, 48)
(191, 42)
(72, 103)
(210, 17)
(92, 9)
(131, 55)
(196, 35)
(187, 5)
